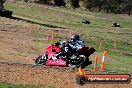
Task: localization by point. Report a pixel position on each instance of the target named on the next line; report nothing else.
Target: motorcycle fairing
(53, 61)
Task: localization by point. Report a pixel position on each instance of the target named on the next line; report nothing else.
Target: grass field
(116, 41)
(8, 85)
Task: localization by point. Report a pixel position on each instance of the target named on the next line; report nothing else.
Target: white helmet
(75, 38)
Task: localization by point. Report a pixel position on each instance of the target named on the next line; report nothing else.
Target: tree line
(109, 6)
(74, 3)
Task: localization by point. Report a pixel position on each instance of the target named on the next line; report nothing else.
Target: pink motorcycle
(76, 59)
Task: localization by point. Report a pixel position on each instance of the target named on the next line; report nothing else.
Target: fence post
(52, 37)
(30, 28)
(100, 44)
(2, 24)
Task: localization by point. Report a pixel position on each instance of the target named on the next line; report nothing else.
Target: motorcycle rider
(76, 43)
(69, 46)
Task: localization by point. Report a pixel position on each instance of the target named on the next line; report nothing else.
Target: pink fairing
(53, 61)
(51, 47)
(56, 62)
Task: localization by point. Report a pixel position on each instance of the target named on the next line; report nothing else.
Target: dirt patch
(28, 74)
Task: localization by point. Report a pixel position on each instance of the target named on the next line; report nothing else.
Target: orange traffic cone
(95, 65)
(103, 61)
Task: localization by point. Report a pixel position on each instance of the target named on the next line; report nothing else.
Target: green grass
(117, 41)
(9, 85)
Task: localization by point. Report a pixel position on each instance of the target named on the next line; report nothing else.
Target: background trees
(109, 6)
(75, 3)
(59, 2)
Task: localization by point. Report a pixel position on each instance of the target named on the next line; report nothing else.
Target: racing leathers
(68, 47)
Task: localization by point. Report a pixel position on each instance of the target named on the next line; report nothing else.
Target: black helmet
(75, 38)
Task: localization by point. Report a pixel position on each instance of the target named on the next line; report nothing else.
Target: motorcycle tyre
(39, 62)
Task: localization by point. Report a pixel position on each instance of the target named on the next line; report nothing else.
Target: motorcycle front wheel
(41, 60)
(81, 80)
